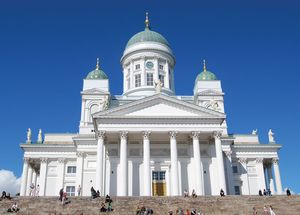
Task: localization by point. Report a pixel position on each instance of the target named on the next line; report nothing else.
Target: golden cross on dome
(147, 22)
(204, 66)
(97, 65)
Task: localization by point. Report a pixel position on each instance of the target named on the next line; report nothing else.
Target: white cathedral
(150, 141)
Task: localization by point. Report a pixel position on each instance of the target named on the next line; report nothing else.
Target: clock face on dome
(149, 65)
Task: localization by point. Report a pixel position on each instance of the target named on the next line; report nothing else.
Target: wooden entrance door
(159, 183)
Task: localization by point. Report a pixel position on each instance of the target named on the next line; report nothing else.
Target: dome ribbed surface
(147, 36)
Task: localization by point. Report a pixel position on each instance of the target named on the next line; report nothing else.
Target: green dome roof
(147, 36)
(97, 73)
(206, 75)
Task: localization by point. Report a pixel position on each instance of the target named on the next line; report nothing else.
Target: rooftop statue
(28, 135)
(271, 136)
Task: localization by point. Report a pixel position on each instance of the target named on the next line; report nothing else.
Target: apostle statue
(28, 136)
(271, 136)
(254, 131)
(40, 136)
(105, 103)
(158, 86)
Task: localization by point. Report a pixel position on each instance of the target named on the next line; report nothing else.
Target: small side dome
(206, 75)
(97, 73)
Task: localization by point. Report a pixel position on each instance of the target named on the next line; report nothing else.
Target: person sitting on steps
(13, 208)
(194, 195)
(222, 193)
(103, 208)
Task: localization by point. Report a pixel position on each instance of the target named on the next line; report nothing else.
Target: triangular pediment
(160, 106)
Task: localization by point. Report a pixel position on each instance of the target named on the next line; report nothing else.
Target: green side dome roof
(97, 73)
(147, 36)
(206, 75)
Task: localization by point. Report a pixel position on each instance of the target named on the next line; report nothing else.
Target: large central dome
(147, 36)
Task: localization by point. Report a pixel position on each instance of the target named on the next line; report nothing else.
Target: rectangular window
(162, 175)
(234, 169)
(162, 80)
(70, 190)
(71, 169)
(161, 67)
(154, 175)
(137, 66)
(237, 190)
(137, 80)
(149, 79)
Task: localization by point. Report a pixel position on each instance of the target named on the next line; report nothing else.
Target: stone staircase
(211, 205)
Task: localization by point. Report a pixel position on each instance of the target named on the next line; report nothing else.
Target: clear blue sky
(48, 47)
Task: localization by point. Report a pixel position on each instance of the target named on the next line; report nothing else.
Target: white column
(24, 177)
(174, 164)
(82, 112)
(198, 167)
(29, 179)
(34, 176)
(277, 176)
(260, 172)
(219, 155)
(270, 179)
(245, 180)
(146, 163)
(122, 189)
(99, 170)
(79, 170)
(60, 174)
(230, 189)
(167, 78)
(43, 176)
(143, 74)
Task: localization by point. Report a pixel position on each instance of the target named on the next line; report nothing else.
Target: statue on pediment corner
(158, 86)
(271, 136)
(29, 134)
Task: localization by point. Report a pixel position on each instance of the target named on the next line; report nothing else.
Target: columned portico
(174, 164)
(29, 180)
(43, 176)
(198, 167)
(146, 163)
(123, 185)
(277, 176)
(219, 155)
(24, 176)
(99, 167)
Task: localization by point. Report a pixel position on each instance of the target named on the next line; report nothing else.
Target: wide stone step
(210, 205)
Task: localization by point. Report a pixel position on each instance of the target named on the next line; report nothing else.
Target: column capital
(259, 160)
(228, 153)
(101, 134)
(123, 134)
(26, 159)
(217, 134)
(146, 134)
(173, 134)
(44, 160)
(243, 160)
(80, 154)
(275, 160)
(61, 160)
(195, 134)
